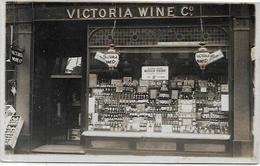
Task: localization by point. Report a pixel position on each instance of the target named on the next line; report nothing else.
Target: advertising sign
(155, 73)
(17, 55)
(111, 59)
(215, 56)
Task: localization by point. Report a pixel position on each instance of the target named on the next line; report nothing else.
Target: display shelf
(65, 76)
(155, 135)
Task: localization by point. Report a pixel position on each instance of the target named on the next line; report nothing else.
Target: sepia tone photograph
(148, 81)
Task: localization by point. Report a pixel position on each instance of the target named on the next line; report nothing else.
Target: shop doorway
(58, 83)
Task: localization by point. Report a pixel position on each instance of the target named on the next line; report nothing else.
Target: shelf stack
(175, 106)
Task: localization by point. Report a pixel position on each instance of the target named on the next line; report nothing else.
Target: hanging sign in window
(111, 59)
(17, 55)
(155, 73)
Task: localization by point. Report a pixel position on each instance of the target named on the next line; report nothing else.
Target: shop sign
(111, 59)
(202, 59)
(205, 58)
(155, 73)
(17, 55)
(127, 12)
(88, 11)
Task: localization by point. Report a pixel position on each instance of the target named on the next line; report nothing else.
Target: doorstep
(65, 149)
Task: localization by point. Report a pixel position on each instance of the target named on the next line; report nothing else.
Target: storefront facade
(124, 78)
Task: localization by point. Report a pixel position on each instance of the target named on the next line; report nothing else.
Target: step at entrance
(65, 149)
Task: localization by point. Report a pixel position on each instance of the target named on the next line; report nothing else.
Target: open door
(57, 89)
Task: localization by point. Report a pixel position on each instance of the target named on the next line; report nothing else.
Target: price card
(224, 88)
(186, 108)
(224, 102)
(158, 119)
(203, 83)
(142, 89)
(119, 88)
(143, 83)
(153, 93)
(92, 80)
(116, 82)
(203, 89)
(189, 83)
(187, 121)
(140, 107)
(127, 80)
(175, 94)
(136, 124)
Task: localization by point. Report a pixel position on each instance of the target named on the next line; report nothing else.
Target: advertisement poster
(155, 73)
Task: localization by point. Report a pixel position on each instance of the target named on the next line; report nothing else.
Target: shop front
(143, 79)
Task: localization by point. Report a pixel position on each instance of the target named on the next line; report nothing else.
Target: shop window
(163, 93)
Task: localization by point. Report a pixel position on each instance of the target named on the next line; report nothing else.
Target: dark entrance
(58, 83)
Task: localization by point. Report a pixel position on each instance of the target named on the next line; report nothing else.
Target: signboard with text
(111, 59)
(17, 55)
(122, 11)
(127, 12)
(155, 73)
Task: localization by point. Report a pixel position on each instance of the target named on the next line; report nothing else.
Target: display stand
(12, 131)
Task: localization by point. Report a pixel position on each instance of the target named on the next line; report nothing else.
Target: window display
(180, 103)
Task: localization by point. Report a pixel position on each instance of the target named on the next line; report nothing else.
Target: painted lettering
(151, 11)
(78, 13)
(102, 13)
(70, 13)
(143, 11)
(94, 12)
(128, 13)
(85, 13)
(171, 11)
(120, 12)
(184, 11)
(160, 11)
(112, 12)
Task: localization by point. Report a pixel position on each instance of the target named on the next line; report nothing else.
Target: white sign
(205, 58)
(100, 56)
(202, 59)
(111, 59)
(155, 73)
(215, 56)
(224, 102)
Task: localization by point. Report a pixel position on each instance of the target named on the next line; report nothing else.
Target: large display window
(159, 94)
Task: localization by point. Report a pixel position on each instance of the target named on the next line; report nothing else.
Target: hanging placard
(202, 59)
(17, 55)
(155, 73)
(215, 56)
(111, 59)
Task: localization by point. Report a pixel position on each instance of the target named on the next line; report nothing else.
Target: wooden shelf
(65, 76)
(155, 135)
